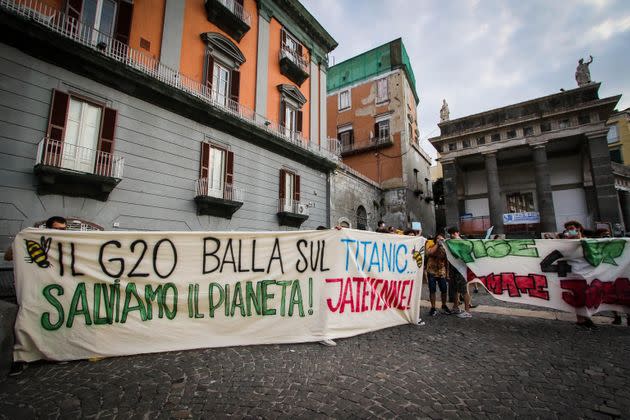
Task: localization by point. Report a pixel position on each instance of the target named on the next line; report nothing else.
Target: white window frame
(96, 25)
(218, 69)
(217, 159)
(77, 155)
(348, 102)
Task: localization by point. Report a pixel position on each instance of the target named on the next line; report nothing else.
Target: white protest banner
(584, 276)
(87, 294)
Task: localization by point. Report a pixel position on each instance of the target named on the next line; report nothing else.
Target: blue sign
(521, 218)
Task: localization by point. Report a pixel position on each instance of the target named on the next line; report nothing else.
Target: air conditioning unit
(301, 209)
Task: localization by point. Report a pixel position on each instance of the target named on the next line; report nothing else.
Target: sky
(485, 54)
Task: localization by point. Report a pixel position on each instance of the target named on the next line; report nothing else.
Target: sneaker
(328, 343)
(445, 310)
(464, 314)
(17, 368)
(472, 306)
(433, 312)
(456, 311)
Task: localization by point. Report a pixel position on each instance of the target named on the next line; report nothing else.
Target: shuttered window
(216, 171)
(289, 191)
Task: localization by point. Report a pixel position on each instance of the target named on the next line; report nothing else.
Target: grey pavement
(489, 366)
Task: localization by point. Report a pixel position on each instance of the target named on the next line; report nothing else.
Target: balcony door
(221, 82)
(81, 136)
(99, 18)
(216, 172)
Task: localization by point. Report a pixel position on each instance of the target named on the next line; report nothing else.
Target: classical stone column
(449, 173)
(494, 192)
(603, 179)
(543, 189)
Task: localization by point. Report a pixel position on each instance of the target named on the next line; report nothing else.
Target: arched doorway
(361, 218)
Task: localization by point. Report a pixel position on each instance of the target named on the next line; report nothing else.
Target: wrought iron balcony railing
(227, 192)
(367, 144)
(86, 35)
(238, 10)
(79, 159)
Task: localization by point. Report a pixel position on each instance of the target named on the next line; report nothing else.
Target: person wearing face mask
(574, 230)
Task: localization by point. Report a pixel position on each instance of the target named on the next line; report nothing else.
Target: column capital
(446, 161)
(489, 153)
(539, 145)
(597, 134)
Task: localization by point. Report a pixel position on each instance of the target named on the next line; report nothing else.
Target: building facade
(546, 158)
(372, 103)
(618, 139)
(164, 114)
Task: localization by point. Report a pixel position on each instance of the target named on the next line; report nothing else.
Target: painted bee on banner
(38, 252)
(418, 256)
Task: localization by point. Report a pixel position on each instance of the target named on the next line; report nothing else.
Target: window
(361, 218)
(289, 191)
(520, 202)
(291, 103)
(481, 140)
(495, 137)
(382, 94)
(344, 99)
(217, 171)
(615, 156)
(222, 76)
(563, 123)
(528, 131)
(101, 20)
(346, 137)
(452, 146)
(293, 49)
(80, 135)
(381, 129)
(544, 127)
(613, 135)
(584, 119)
(465, 144)
(511, 134)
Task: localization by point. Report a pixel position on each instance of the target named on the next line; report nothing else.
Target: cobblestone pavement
(486, 366)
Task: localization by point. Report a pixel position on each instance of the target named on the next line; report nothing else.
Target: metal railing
(374, 141)
(238, 10)
(292, 206)
(87, 36)
(228, 192)
(299, 60)
(80, 159)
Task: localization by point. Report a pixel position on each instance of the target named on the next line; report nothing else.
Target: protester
(460, 283)
(573, 230)
(55, 222)
(437, 271)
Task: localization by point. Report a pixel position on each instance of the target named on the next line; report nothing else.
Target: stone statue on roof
(444, 112)
(582, 73)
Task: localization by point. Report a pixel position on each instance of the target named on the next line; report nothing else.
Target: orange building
(201, 114)
(371, 109)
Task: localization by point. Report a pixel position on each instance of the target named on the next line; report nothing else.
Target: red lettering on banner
(534, 285)
(579, 293)
(370, 294)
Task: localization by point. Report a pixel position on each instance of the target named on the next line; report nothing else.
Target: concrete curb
(529, 313)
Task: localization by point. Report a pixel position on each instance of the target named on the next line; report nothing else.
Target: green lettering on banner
(170, 313)
(212, 304)
(254, 298)
(79, 294)
(96, 308)
(238, 295)
(130, 291)
(469, 250)
(602, 251)
(265, 296)
(283, 299)
(45, 320)
(151, 295)
(296, 298)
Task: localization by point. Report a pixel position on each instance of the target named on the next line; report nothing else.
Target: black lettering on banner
(562, 267)
(212, 254)
(301, 242)
(155, 255)
(132, 273)
(60, 248)
(74, 272)
(120, 260)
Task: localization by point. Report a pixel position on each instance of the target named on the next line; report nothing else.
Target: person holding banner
(459, 282)
(437, 272)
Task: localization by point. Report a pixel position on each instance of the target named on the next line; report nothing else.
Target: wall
(193, 48)
(161, 151)
(348, 192)
(146, 22)
(276, 78)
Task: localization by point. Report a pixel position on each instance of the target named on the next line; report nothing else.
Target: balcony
(230, 16)
(148, 68)
(68, 169)
(293, 65)
(354, 147)
(217, 202)
(292, 213)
